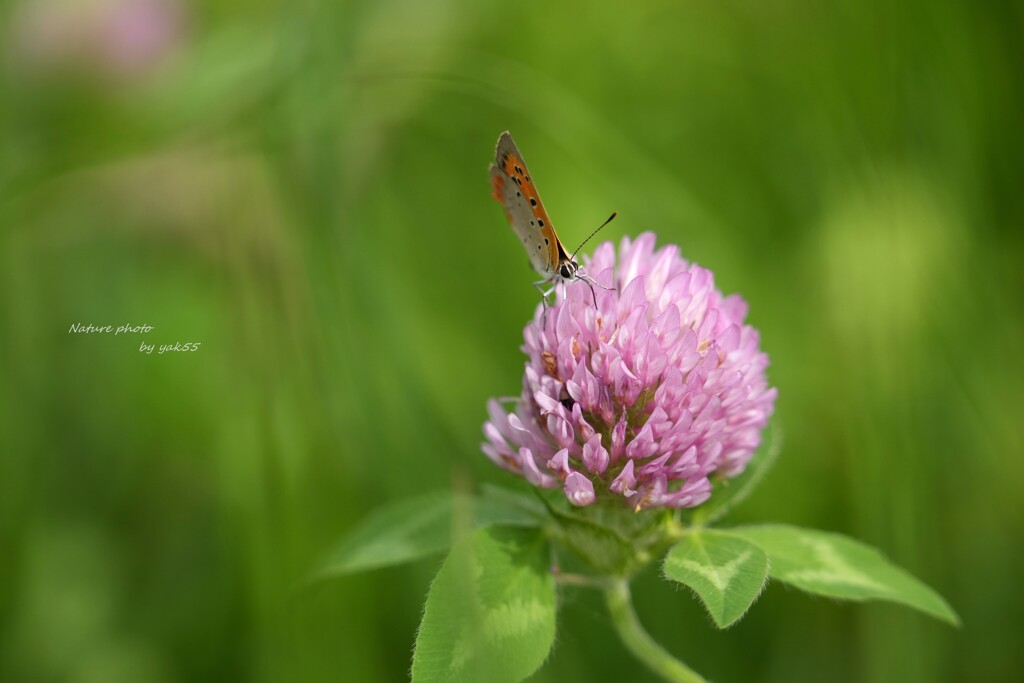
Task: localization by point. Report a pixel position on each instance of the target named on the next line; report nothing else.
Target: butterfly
(515, 189)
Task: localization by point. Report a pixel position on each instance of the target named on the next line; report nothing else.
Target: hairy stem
(639, 642)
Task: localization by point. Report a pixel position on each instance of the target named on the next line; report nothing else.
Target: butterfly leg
(544, 294)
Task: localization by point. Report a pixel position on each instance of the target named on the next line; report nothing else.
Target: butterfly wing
(515, 189)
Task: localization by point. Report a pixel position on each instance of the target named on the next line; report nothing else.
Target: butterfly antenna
(610, 218)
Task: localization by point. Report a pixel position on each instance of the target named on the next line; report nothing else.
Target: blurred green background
(302, 188)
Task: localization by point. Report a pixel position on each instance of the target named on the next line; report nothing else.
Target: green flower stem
(639, 642)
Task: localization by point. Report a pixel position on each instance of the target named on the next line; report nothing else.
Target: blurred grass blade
(840, 567)
(726, 571)
(490, 615)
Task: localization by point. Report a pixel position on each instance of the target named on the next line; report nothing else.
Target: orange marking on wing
(515, 169)
(549, 234)
(497, 182)
(514, 166)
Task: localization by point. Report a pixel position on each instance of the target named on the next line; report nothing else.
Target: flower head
(644, 396)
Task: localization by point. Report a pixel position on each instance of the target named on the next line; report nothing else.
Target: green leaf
(497, 505)
(729, 493)
(490, 615)
(409, 529)
(726, 571)
(841, 567)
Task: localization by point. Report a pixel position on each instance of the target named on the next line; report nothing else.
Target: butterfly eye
(567, 270)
